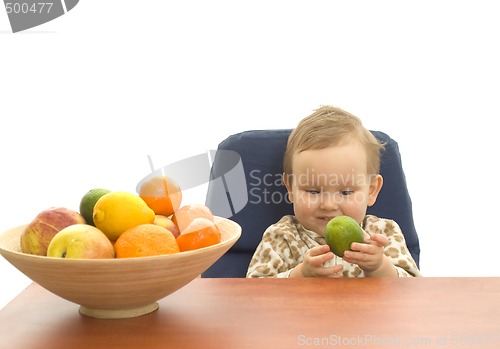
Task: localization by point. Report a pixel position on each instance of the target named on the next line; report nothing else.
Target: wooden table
(274, 313)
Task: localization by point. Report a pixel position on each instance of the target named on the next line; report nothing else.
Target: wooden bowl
(120, 287)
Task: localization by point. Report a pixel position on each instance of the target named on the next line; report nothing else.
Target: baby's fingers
(334, 272)
(379, 240)
(317, 256)
(362, 253)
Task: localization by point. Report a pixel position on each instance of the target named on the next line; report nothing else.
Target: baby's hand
(315, 258)
(368, 255)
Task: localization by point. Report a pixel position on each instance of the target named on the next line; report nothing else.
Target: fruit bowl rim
(122, 260)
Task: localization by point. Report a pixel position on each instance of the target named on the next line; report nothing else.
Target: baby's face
(330, 182)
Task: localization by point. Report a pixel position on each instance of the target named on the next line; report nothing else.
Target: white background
(85, 99)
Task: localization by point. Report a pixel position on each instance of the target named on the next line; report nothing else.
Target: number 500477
(37, 7)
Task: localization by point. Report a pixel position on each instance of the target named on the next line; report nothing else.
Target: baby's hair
(331, 126)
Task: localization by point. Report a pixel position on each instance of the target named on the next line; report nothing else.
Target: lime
(341, 232)
(88, 201)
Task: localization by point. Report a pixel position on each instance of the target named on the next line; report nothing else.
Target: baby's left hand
(368, 255)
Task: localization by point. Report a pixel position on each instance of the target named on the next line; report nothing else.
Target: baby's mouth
(325, 218)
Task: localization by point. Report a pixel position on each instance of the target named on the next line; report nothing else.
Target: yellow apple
(80, 241)
(37, 235)
(168, 223)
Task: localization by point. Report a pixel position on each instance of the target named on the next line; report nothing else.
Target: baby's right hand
(314, 260)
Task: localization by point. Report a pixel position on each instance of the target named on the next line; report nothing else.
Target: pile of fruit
(118, 224)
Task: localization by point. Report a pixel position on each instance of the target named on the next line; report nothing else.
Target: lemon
(88, 201)
(118, 211)
(341, 232)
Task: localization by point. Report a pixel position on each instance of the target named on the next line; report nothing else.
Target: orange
(186, 214)
(200, 233)
(161, 194)
(145, 240)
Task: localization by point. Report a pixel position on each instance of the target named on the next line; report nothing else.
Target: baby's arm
(272, 258)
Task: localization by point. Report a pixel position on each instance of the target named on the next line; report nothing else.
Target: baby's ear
(374, 189)
(286, 180)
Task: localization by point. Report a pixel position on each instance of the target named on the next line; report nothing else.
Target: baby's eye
(346, 192)
(312, 191)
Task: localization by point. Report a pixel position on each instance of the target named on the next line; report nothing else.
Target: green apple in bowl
(80, 241)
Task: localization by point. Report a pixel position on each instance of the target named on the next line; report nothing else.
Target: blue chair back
(256, 160)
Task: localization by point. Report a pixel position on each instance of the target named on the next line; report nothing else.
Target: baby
(331, 168)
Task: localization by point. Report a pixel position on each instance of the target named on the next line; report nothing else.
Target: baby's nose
(329, 201)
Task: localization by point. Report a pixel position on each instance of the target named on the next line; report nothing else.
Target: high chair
(246, 186)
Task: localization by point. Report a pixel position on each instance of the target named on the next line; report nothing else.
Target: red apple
(168, 223)
(37, 235)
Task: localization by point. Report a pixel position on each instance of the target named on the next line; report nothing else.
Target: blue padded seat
(261, 155)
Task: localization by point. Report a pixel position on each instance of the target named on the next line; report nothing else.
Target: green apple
(37, 235)
(80, 241)
(168, 223)
(341, 232)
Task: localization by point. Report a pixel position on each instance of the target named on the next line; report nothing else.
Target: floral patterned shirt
(284, 244)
